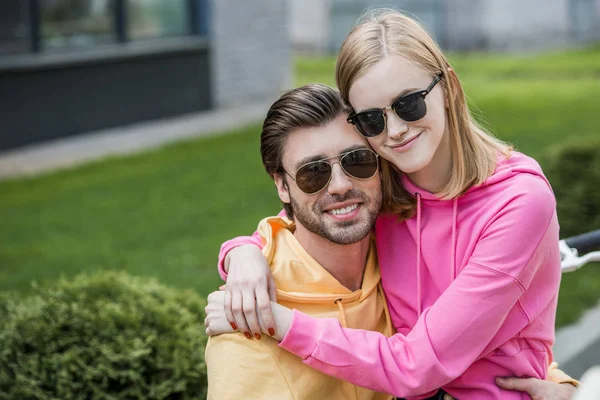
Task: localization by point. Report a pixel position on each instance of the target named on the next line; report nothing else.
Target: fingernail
(271, 331)
(247, 334)
(234, 326)
(257, 336)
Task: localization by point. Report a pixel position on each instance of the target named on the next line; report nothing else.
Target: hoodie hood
(299, 277)
(506, 168)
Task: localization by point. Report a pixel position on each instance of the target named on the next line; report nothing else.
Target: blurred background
(184, 84)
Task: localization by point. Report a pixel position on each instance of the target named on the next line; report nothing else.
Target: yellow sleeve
(239, 368)
(558, 376)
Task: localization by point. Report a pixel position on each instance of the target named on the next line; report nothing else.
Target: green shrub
(574, 172)
(106, 336)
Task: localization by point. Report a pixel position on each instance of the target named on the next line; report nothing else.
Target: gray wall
(309, 28)
(251, 49)
(525, 25)
(54, 95)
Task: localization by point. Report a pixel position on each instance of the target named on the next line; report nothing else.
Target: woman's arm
(557, 386)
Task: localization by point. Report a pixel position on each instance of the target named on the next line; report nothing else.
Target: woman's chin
(407, 163)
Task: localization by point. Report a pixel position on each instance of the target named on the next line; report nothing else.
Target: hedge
(105, 336)
(574, 173)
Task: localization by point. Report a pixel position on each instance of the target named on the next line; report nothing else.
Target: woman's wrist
(283, 317)
(240, 252)
(283, 320)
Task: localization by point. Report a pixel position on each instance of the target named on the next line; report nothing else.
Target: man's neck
(346, 263)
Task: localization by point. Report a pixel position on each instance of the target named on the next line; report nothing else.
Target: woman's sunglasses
(314, 176)
(410, 108)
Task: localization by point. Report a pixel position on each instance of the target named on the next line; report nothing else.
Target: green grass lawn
(164, 213)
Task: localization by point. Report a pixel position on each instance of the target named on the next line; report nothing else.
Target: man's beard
(339, 232)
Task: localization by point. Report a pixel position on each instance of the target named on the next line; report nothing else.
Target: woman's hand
(216, 321)
(250, 287)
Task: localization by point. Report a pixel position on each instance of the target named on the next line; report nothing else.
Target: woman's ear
(283, 189)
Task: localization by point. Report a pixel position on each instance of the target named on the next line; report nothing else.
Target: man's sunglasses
(410, 108)
(314, 176)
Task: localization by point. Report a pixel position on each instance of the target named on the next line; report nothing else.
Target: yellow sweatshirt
(239, 368)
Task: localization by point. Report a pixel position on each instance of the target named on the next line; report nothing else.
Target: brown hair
(304, 107)
(389, 32)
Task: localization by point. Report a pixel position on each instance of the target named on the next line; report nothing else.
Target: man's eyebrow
(318, 157)
(355, 147)
(308, 159)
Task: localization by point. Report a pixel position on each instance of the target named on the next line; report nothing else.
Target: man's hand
(538, 389)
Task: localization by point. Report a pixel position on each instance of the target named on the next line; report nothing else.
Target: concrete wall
(525, 25)
(310, 25)
(464, 27)
(54, 95)
(251, 49)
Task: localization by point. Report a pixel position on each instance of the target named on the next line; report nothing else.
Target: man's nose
(340, 183)
(396, 126)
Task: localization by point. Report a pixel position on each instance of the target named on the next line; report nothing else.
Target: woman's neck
(435, 175)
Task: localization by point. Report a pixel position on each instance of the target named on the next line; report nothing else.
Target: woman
(472, 279)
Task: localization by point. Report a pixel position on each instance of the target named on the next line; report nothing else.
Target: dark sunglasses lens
(410, 108)
(369, 123)
(361, 164)
(313, 177)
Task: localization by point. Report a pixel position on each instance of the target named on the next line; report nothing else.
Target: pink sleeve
(475, 314)
(239, 241)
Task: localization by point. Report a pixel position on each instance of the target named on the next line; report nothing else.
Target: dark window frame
(197, 24)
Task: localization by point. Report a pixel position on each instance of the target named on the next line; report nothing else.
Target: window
(14, 27)
(75, 23)
(157, 18)
(48, 25)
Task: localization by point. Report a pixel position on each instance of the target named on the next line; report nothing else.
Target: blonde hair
(389, 32)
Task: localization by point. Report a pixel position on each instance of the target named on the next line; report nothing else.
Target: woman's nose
(396, 126)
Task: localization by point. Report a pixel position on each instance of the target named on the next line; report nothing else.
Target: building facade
(72, 66)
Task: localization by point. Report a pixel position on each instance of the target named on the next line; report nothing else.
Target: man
(324, 262)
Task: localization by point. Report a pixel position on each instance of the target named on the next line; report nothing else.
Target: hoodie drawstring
(418, 255)
(342, 312)
(389, 329)
(345, 325)
(453, 260)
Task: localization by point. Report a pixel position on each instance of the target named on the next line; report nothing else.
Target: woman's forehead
(382, 83)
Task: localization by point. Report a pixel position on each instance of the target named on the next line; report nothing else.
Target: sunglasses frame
(331, 164)
(423, 93)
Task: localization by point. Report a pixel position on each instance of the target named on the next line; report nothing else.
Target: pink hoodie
(472, 287)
